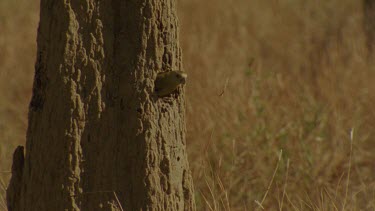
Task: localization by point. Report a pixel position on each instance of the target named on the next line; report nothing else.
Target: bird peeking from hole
(168, 82)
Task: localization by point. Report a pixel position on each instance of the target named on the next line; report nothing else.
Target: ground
(280, 100)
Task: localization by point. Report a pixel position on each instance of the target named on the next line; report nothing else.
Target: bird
(167, 82)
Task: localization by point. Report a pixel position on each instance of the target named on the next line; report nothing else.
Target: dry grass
(18, 26)
(264, 76)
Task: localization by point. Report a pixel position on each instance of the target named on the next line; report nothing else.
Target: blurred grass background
(264, 76)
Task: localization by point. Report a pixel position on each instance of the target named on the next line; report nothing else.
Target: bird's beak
(184, 76)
